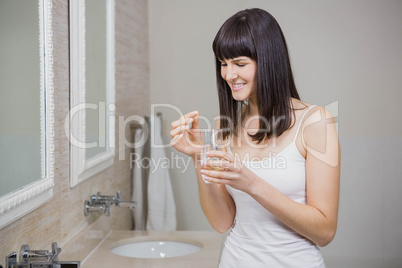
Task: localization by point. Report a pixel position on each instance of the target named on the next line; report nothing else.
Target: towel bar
(137, 125)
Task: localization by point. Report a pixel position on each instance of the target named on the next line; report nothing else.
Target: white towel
(161, 206)
(139, 213)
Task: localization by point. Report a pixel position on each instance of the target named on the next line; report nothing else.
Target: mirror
(91, 117)
(26, 105)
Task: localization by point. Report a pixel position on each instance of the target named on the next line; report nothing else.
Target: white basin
(155, 249)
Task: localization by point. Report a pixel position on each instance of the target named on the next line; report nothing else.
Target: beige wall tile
(62, 218)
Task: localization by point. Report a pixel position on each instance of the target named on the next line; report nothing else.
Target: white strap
(301, 120)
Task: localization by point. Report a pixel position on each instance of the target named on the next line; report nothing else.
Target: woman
(279, 190)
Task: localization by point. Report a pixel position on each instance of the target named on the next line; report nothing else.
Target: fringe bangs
(234, 40)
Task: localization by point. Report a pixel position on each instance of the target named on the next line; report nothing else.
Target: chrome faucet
(106, 199)
(93, 207)
(38, 258)
(102, 203)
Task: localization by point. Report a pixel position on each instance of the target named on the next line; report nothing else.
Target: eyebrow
(239, 59)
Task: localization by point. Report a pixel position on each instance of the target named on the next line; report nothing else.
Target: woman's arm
(216, 202)
(317, 220)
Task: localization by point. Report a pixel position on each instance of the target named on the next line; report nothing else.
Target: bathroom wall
(344, 53)
(62, 218)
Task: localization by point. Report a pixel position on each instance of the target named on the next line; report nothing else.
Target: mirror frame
(24, 200)
(81, 168)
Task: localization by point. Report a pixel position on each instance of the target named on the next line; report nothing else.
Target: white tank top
(257, 238)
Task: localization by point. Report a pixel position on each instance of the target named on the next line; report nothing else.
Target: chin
(239, 97)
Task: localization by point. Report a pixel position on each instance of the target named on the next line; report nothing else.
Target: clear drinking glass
(211, 139)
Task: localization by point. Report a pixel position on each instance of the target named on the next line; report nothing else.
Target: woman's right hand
(184, 137)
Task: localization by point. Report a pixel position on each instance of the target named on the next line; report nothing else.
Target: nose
(230, 74)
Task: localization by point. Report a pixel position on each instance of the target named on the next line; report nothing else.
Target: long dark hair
(256, 34)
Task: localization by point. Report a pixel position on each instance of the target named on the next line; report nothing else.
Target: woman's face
(241, 75)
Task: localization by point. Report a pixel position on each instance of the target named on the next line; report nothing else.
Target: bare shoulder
(314, 115)
(318, 116)
(299, 104)
(320, 136)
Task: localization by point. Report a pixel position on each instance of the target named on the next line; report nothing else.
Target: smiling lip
(241, 86)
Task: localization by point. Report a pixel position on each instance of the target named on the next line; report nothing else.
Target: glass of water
(211, 139)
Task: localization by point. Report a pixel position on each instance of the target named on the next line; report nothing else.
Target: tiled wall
(61, 218)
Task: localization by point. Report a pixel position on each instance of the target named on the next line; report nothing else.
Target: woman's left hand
(233, 172)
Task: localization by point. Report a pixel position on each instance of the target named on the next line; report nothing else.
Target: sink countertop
(208, 256)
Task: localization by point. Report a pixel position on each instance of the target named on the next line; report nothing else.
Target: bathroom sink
(155, 249)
